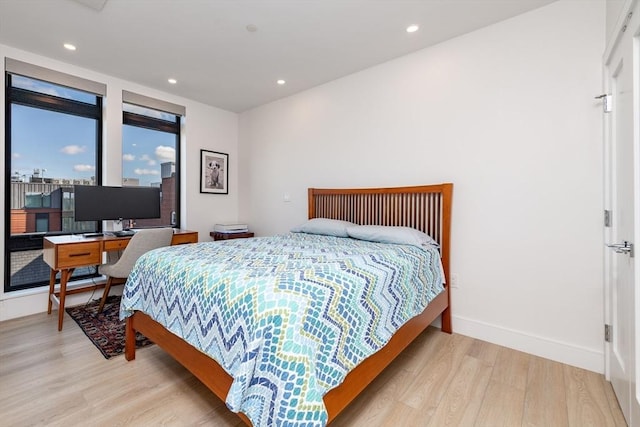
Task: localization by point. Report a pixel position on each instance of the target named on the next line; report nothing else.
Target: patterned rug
(105, 330)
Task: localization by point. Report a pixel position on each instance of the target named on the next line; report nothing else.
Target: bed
(425, 208)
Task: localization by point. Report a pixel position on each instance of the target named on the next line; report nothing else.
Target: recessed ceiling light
(412, 28)
(69, 46)
(172, 81)
(281, 82)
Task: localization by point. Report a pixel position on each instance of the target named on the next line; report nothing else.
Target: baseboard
(580, 357)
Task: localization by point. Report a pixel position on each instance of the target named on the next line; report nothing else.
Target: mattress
(286, 316)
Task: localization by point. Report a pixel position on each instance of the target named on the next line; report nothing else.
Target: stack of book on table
(230, 228)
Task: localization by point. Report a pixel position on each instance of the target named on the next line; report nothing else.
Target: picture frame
(214, 172)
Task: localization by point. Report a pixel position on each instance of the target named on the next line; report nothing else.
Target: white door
(621, 172)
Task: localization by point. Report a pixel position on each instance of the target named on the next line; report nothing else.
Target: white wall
(614, 15)
(205, 128)
(505, 113)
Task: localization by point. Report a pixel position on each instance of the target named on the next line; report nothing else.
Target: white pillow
(391, 234)
(326, 226)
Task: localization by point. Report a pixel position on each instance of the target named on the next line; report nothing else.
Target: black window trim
(20, 96)
(142, 121)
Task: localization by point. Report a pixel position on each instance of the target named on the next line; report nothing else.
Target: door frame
(629, 6)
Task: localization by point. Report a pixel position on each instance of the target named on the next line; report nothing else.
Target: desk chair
(142, 242)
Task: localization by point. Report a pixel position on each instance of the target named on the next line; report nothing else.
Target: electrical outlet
(286, 197)
(455, 280)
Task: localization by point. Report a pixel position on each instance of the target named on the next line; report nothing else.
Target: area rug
(105, 330)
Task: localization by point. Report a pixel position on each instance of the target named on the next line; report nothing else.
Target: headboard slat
(426, 208)
(418, 207)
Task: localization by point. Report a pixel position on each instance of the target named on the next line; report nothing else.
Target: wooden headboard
(425, 207)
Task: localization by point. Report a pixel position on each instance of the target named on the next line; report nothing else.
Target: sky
(144, 150)
(63, 145)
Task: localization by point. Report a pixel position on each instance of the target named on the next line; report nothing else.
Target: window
(53, 137)
(151, 153)
(37, 200)
(42, 222)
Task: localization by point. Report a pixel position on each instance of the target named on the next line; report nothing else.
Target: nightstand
(227, 236)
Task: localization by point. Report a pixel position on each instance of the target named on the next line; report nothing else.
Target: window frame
(151, 123)
(32, 99)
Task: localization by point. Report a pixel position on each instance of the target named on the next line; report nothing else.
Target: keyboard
(92, 235)
(124, 233)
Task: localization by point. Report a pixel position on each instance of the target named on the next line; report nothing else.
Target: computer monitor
(99, 202)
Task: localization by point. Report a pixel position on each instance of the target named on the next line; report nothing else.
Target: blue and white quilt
(286, 316)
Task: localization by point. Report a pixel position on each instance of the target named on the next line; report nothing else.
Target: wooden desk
(66, 253)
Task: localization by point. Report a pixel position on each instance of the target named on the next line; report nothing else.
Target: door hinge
(607, 218)
(606, 102)
(607, 333)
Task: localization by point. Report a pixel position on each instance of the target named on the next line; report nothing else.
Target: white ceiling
(206, 46)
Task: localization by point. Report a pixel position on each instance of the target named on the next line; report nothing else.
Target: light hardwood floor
(59, 378)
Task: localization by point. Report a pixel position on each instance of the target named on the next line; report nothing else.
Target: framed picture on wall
(214, 172)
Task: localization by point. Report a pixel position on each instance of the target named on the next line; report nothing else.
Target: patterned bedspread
(286, 316)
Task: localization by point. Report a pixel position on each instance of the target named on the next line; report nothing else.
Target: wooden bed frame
(426, 208)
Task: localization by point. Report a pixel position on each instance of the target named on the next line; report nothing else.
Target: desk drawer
(79, 254)
(115, 244)
(183, 238)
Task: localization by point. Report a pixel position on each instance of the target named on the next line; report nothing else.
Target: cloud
(148, 112)
(84, 168)
(149, 160)
(146, 172)
(16, 155)
(128, 157)
(164, 153)
(73, 149)
(38, 86)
